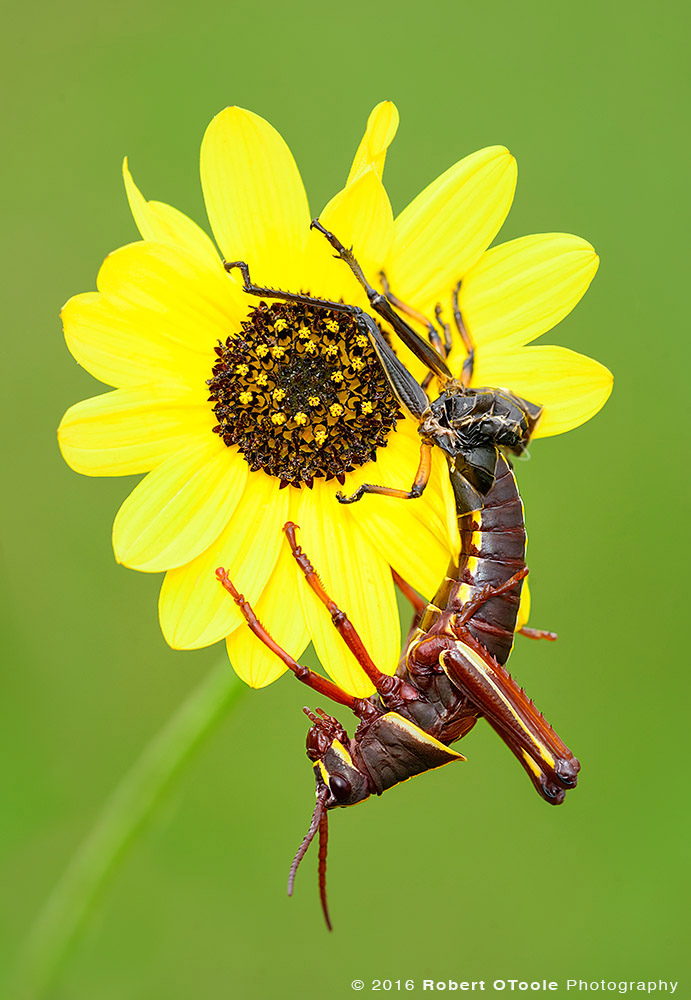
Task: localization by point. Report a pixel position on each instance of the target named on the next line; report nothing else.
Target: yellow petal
(406, 543)
(413, 536)
(181, 297)
(106, 340)
(360, 216)
(357, 578)
(571, 387)
(157, 320)
(523, 607)
(280, 611)
(438, 510)
(382, 126)
(180, 508)
(160, 223)
(521, 289)
(440, 470)
(445, 229)
(255, 197)
(129, 431)
(194, 609)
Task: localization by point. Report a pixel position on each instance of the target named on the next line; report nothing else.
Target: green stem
(121, 820)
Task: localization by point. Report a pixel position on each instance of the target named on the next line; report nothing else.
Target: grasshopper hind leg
(442, 347)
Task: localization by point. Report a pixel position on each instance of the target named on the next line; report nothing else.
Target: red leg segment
(346, 629)
(419, 604)
(304, 674)
(469, 363)
(470, 607)
(537, 633)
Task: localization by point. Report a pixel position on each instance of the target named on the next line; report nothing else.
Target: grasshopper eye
(340, 787)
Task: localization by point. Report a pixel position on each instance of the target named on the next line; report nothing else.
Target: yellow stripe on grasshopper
(531, 764)
(341, 752)
(481, 668)
(414, 730)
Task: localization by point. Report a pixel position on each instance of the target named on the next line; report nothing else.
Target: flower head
(248, 413)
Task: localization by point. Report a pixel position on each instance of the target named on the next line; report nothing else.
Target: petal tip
(511, 163)
(389, 108)
(584, 249)
(169, 631)
(118, 555)
(499, 153)
(256, 683)
(172, 642)
(502, 165)
(233, 111)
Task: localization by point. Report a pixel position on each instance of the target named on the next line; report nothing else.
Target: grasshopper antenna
(318, 822)
(323, 842)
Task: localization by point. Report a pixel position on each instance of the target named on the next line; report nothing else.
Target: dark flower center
(301, 393)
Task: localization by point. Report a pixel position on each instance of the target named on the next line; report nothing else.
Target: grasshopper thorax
(471, 425)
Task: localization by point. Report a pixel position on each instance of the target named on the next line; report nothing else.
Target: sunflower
(247, 413)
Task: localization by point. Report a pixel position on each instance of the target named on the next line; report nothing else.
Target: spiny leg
(548, 762)
(422, 475)
(469, 363)
(445, 348)
(446, 328)
(380, 303)
(432, 332)
(417, 344)
(510, 712)
(277, 293)
(462, 617)
(405, 387)
(313, 680)
(442, 348)
(345, 628)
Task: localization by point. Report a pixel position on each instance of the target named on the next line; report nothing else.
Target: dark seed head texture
(301, 392)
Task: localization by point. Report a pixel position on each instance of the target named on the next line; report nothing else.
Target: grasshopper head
(335, 771)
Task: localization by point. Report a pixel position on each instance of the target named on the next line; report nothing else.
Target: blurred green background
(463, 875)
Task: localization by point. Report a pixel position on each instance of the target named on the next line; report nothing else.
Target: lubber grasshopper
(451, 672)
(445, 681)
